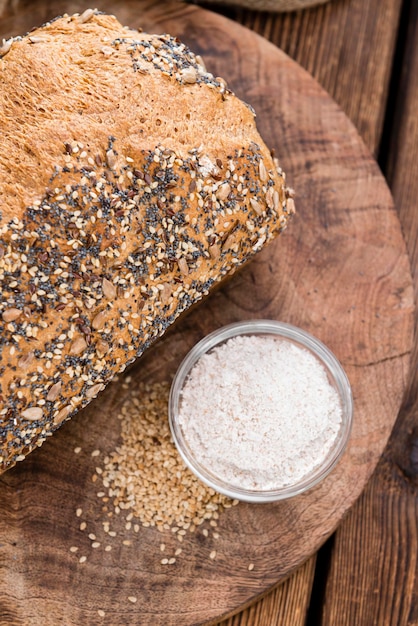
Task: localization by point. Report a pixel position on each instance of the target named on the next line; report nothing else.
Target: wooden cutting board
(340, 272)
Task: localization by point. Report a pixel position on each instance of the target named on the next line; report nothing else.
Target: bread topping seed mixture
(113, 297)
(144, 482)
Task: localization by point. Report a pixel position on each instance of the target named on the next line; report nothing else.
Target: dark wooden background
(365, 54)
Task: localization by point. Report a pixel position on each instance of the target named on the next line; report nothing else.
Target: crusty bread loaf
(131, 181)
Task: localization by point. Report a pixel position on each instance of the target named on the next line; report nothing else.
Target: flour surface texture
(259, 412)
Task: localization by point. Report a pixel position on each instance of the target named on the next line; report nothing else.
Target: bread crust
(131, 181)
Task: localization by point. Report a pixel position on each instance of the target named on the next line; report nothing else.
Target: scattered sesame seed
(82, 559)
(251, 567)
(101, 613)
(86, 16)
(132, 599)
(212, 555)
(163, 494)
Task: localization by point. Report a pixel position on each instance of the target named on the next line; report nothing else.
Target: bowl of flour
(260, 410)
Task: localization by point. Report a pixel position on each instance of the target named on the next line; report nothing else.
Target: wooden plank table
(367, 572)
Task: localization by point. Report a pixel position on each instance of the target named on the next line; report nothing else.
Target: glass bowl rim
(288, 332)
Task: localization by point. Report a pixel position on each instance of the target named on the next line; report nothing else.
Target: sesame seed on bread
(131, 181)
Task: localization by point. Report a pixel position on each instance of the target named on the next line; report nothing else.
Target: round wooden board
(340, 271)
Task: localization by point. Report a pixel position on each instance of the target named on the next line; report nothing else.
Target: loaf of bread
(131, 181)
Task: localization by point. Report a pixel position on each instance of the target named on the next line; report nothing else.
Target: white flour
(259, 412)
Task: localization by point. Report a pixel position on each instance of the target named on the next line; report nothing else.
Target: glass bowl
(336, 378)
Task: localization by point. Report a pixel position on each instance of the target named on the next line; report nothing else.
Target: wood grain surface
(341, 272)
(287, 601)
(374, 568)
(347, 45)
(266, 5)
(366, 575)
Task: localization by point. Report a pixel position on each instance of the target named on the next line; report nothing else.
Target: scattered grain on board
(145, 474)
(144, 482)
